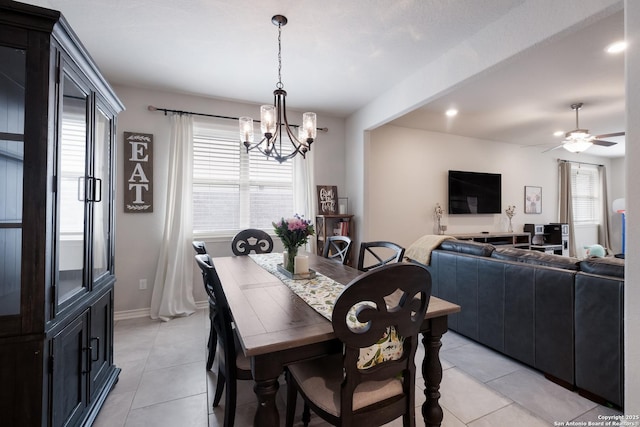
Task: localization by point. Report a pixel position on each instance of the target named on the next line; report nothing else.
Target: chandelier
(274, 123)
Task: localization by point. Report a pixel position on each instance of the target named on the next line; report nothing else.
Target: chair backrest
(251, 239)
(383, 252)
(410, 285)
(223, 322)
(337, 248)
(199, 247)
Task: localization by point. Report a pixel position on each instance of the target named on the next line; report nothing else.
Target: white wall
(138, 236)
(408, 176)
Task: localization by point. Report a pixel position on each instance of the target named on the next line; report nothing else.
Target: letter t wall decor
(138, 172)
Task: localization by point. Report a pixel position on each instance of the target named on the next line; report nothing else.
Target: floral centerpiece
(294, 232)
(510, 211)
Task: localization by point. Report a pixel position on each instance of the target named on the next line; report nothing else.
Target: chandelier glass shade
(274, 124)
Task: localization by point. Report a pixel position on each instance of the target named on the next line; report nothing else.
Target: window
(233, 190)
(586, 195)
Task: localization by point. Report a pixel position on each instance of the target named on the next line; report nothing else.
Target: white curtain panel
(304, 193)
(173, 287)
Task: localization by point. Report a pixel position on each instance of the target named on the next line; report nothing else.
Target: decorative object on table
(438, 212)
(532, 200)
(510, 211)
(294, 232)
(310, 274)
(138, 171)
(273, 120)
(327, 199)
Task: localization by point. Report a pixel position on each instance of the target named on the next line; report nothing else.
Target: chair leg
(212, 344)
(292, 397)
(306, 415)
(219, 388)
(230, 404)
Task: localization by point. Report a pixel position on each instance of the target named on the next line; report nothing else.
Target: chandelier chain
(279, 85)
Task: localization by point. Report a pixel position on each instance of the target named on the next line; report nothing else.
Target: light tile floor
(164, 384)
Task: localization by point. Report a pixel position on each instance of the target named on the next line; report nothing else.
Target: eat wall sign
(138, 172)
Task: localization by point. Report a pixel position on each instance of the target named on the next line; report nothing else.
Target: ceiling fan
(579, 140)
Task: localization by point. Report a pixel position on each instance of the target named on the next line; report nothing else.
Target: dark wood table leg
(267, 413)
(432, 373)
(266, 372)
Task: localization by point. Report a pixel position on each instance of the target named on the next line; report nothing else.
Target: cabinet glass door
(101, 196)
(72, 178)
(12, 90)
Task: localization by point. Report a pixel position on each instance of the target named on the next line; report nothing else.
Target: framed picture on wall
(532, 200)
(327, 199)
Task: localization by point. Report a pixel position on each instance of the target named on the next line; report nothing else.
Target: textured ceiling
(339, 55)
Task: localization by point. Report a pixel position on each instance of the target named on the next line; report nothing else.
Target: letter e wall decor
(138, 172)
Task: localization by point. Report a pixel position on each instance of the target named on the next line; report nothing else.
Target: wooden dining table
(277, 328)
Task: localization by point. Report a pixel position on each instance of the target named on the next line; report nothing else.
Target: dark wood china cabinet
(57, 152)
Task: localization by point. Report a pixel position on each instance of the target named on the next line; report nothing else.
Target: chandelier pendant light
(274, 123)
(577, 140)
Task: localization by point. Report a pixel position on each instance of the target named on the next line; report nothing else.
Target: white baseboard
(146, 312)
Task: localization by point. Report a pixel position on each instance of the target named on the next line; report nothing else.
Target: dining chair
(383, 252)
(199, 247)
(251, 239)
(337, 248)
(212, 342)
(342, 389)
(232, 363)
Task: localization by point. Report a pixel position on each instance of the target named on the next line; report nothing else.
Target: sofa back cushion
(536, 258)
(604, 266)
(468, 247)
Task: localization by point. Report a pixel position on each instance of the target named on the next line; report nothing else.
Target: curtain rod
(167, 110)
(580, 163)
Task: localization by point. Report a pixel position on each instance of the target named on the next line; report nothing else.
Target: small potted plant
(438, 212)
(510, 211)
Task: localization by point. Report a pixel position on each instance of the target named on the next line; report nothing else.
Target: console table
(548, 248)
(516, 240)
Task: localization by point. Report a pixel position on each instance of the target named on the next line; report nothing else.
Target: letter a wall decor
(138, 172)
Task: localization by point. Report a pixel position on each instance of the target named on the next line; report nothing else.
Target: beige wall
(138, 236)
(408, 176)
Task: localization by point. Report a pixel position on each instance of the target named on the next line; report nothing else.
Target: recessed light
(558, 133)
(451, 112)
(617, 47)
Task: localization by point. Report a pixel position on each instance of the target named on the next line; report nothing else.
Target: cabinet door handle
(87, 368)
(97, 191)
(81, 188)
(97, 356)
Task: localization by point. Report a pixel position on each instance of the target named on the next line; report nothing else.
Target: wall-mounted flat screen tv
(474, 192)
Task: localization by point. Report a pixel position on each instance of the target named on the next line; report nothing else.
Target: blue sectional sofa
(557, 314)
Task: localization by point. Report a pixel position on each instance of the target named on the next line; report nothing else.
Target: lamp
(577, 140)
(274, 122)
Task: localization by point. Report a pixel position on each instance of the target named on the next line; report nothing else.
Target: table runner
(321, 293)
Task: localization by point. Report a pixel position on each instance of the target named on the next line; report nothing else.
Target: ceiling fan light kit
(579, 140)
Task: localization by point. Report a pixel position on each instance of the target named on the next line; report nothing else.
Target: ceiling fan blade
(553, 148)
(603, 143)
(610, 135)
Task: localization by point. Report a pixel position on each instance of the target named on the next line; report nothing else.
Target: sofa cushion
(467, 247)
(536, 258)
(609, 266)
